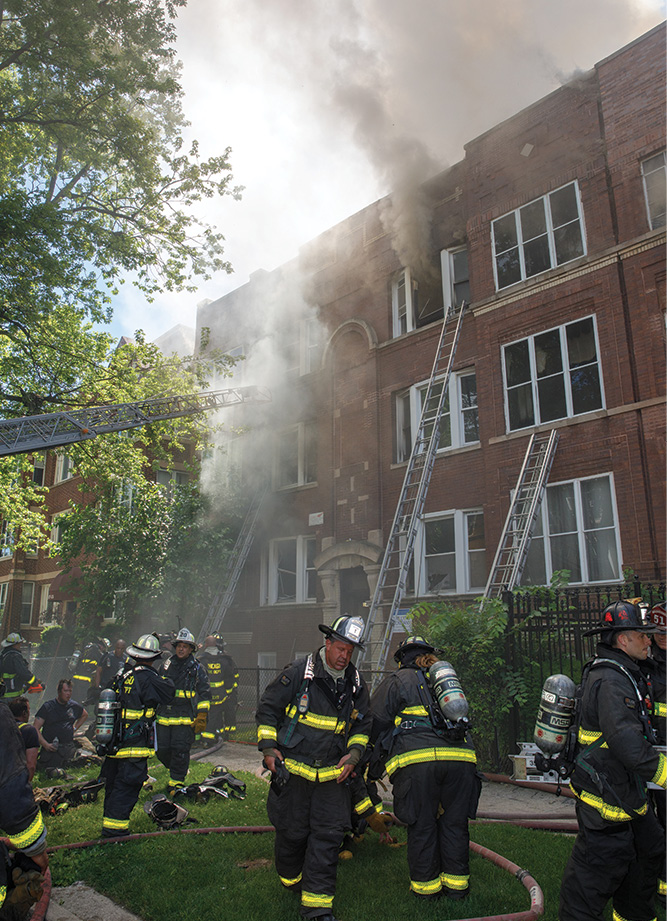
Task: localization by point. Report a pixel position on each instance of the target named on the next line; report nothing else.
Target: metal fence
(545, 636)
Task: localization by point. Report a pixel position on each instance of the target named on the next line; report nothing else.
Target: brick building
(552, 227)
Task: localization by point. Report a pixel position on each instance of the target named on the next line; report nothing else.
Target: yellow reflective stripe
(358, 739)
(29, 835)
(208, 735)
(363, 806)
(662, 887)
(216, 684)
(137, 714)
(267, 732)
(132, 753)
(3, 893)
(174, 721)
(318, 721)
(82, 677)
(32, 681)
(610, 813)
(186, 694)
(422, 755)
(321, 774)
(429, 887)
(316, 900)
(115, 824)
(660, 776)
(660, 708)
(588, 736)
(204, 705)
(410, 711)
(454, 882)
(290, 882)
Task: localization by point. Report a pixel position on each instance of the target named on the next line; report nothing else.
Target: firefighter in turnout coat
(186, 715)
(655, 666)
(14, 670)
(313, 727)
(619, 850)
(125, 769)
(433, 771)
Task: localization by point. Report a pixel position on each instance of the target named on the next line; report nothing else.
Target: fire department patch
(284, 680)
(629, 702)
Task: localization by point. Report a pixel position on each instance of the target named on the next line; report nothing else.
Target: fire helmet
(184, 636)
(146, 647)
(621, 615)
(12, 639)
(414, 641)
(658, 616)
(345, 628)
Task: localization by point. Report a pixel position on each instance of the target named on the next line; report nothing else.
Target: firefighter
(179, 721)
(112, 663)
(619, 849)
(655, 665)
(230, 701)
(433, 771)
(14, 670)
(140, 690)
(86, 677)
(313, 723)
(20, 817)
(212, 660)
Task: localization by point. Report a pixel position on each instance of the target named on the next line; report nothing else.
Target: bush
(55, 640)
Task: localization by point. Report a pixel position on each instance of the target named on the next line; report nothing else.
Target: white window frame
(452, 286)
(47, 610)
(64, 467)
(413, 397)
(462, 554)
(27, 605)
(55, 527)
(4, 595)
(542, 531)
(39, 464)
(6, 540)
(237, 371)
(125, 491)
(302, 431)
(550, 232)
(566, 372)
(170, 478)
(404, 292)
(270, 588)
(654, 173)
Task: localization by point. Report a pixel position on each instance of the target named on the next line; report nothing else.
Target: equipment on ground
(166, 814)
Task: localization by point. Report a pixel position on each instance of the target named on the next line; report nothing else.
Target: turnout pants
(173, 750)
(310, 820)
(612, 860)
(124, 778)
(435, 800)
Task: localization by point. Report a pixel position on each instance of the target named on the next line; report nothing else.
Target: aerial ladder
(233, 569)
(512, 551)
(394, 571)
(56, 430)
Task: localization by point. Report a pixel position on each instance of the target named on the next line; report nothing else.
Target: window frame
(305, 464)
(449, 282)
(549, 233)
(6, 540)
(411, 288)
(27, 604)
(649, 216)
(64, 468)
(4, 595)
(413, 397)
(39, 468)
(462, 554)
(566, 373)
(544, 531)
(302, 544)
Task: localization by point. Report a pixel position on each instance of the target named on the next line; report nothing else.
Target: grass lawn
(190, 877)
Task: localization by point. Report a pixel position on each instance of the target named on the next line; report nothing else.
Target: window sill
(295, 486)
(444, 452)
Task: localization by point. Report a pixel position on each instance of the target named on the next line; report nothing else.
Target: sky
(328, 105)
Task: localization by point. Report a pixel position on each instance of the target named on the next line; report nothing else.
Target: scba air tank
(107, 708)
(554, 715)
(448, 691)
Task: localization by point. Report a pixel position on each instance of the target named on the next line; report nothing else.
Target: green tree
(95, 183)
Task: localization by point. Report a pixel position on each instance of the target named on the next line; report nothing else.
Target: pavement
(498, 800)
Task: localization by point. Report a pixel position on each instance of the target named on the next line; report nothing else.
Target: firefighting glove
(26, 890)
(201, 720)
(380, 822)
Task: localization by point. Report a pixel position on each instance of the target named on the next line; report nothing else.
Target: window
(653, 174)
(456, 429)
(539, 236)
(405, 302)
(302, 347)
(125, 495)
(4, 594)
(451, 555)
(312, 344)
(38, 465)
(292, 578)
(553, 375)
(27, 598)
(6, 540)
(171, 478)
(296, 456)
(46, 608)
(576, 529)
(58, 523)
(455, 277)
(64, 468)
